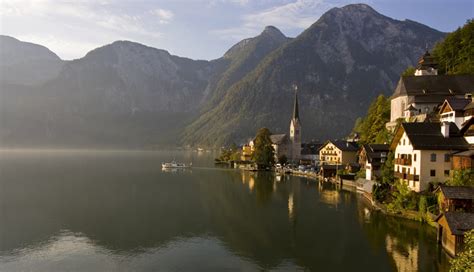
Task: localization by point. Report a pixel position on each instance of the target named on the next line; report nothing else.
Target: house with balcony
(371, 158)
(423, 152)
(338, 153)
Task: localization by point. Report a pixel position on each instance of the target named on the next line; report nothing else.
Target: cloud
(165, 16)
(76, 25)
(295, 15)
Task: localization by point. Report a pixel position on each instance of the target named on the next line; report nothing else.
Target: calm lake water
(118, 211)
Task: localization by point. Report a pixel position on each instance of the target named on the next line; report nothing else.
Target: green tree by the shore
(264, 155)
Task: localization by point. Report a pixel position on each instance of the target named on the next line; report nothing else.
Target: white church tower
(426, 66)
(295, 131)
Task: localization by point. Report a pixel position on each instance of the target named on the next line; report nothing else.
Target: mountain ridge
(127, 93)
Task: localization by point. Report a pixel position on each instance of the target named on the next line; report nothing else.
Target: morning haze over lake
(232, 135)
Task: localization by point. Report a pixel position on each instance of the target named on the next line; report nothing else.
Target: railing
(402, 161)
(407, 176)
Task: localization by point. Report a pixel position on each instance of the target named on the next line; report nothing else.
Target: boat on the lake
(174, 164)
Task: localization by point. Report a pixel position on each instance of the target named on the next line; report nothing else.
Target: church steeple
(296, 114)
(295, 130)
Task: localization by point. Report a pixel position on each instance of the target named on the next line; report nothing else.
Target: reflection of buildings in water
(331, 197)
(249, 179)
(290, 206)
(405, 256)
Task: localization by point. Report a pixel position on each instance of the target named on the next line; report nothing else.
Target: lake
(118, 211)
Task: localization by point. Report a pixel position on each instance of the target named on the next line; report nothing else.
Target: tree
(465, 259)
(461, 178)
(455, 54)
(264, 155)
(371, 128)
(410, 71)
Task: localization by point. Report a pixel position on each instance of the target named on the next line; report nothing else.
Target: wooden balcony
(406, 176)
(401, 161)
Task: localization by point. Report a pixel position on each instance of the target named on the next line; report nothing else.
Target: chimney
(469, 96)
(445, 129)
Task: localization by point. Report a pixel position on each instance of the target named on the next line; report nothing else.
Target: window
(414, 170)
(446, 173)
(432, 173)
(446, 158)
(414, 157)
(433, 157)
(403, 141)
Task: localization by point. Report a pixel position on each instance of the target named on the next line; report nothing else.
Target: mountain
(339, 64)
(26, 63)
(241, 59)
(123, 94)
(127, 94)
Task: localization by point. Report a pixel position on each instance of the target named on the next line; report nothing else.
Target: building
(467, 130)
(295, 132)
(310, 153)
(417, 98)
(371, 158)
(453, 109)
(451, 229)
(284, 146)
(280, 146)
(338, 153)
(423, 152)
(456, 198)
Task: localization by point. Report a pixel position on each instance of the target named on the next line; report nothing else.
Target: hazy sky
(199, 29)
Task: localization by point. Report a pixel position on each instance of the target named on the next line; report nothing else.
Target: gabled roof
(457, 192)
(278, 138)
(344, 145)
(456, 104)
(458, 222)
(466, 127)
(310, 148)
(427, 136)
(469, 106)
(440, 85)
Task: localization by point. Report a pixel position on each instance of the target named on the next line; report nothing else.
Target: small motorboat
(173, 164)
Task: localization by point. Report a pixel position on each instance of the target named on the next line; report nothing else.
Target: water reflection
(122, 213)
(404, 256)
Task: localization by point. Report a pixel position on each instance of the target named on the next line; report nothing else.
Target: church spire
(296, 114)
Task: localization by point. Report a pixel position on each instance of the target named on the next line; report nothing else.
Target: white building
(423, 152)
(417, 98)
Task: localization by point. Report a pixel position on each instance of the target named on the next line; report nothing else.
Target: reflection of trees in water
(410, 245)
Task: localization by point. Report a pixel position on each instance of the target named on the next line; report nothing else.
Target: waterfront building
(371, 158)
(423, 152)
(338, 152)
(451, 229)
(417, 98)
(455, 198)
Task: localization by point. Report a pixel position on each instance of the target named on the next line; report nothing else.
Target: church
(289, 147)
(285, 146)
